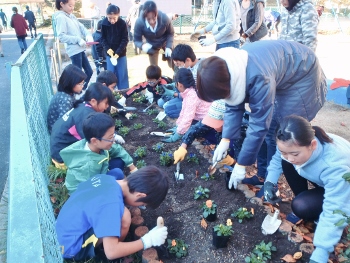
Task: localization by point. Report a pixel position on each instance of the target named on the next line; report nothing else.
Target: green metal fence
(31, 231)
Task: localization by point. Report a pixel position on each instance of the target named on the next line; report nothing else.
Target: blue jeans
(116, 167)
(173, 107)
(22, 42)
(120, 70)
(81, 61)
(234, 43)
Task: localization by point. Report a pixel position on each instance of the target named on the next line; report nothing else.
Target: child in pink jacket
(193, 108)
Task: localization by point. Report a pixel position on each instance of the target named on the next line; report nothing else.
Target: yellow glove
(179, 155)
(116, 56)
(110, 52)
(228, 160)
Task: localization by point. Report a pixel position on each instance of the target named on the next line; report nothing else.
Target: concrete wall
(167, 6)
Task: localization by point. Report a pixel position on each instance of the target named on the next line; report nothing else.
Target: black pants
(307, 204)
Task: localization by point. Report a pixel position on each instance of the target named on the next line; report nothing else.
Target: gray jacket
(300, 24)
(226, 24)
(282, 78)
(70, 31)
(162, 38)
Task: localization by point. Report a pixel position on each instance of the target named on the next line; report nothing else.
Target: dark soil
(182, 213)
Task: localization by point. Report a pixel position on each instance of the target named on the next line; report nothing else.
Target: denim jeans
(22, 42)
(172, 108)
(120, 70)
(234, 43)
(81, 61)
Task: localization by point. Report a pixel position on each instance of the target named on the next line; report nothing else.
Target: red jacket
(19, 24)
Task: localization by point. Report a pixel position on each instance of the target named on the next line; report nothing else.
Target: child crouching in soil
(193, 108)
(95, 216)
(96, 154)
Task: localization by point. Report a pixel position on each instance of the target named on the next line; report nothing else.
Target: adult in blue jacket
(155, 26)
(276, 77)
(305, 154)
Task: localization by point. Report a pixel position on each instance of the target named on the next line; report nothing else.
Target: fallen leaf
(196, 174)
(252, 210)
(53, 199)
(288, 258)
(204, 223)
(307, 238)
(297, 255)
(342, 124)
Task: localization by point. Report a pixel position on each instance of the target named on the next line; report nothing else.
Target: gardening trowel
(271, 223)
(161, 134)
(145, 110)
(212, 168)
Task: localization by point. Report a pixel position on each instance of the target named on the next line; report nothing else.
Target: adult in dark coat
(155, 26)
(277, 78)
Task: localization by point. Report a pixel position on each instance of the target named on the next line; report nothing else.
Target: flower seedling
(140, 164)
(200, 192)
(160, 124)
(207, 177)
(140, 152)
(124, 131)
(158, 147)
(209, 207)
(117, 95)
(152, 111)
(56, 174)
(160, 89)
(178, 247)
(140, 99)
(261, 253)
(242, 213)
(166, 158)
(133, 116)
(137, 126)
(192, 158)
(118, 124)
(224, 230)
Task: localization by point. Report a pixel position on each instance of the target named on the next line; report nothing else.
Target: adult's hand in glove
(270, 193)
(119, 139)
(122, 101)
(221, 150)
(179, 155)
(168, 52)
(237, 175)
(82, 43)
(110, 52)
(146, 47)
(89, 38)
(228, 160)
(207, 41)
(155, 237)
(172, 130)
(173, 138)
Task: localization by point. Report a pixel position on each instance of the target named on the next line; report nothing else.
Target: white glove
(221, 150)
(237, 175)
(149, 96)
(207, 41)
(146, 47)
(168, 52)
(113, 110)
(122, 101)
(89, 38)
(82, 43)
(114, 61)
(155, 237)
(119, 139)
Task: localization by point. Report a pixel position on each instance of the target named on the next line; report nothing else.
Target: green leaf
(347, 177)
(340, 222)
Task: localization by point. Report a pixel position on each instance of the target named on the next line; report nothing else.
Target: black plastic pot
(220, 241)
(212, 217)
(227, 180)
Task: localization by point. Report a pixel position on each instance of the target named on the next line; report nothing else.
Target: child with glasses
(69, 129)
(71, 83)
(96, 154)
(152, 86)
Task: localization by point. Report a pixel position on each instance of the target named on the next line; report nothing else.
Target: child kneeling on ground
(96, 154)
(95, 215)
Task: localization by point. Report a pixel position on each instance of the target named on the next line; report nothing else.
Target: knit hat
(215, 116)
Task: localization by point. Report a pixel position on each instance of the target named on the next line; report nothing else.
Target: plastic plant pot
(220, 241)
(212, 217)
(227, 180)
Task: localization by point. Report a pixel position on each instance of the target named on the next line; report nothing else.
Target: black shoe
(35, 35)
(32, 36)
(22, 50)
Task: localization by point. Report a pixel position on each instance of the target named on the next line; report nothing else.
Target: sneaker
(254, 180)
(22, 50)
(1, 55)
(291, 217)
(32, 36)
